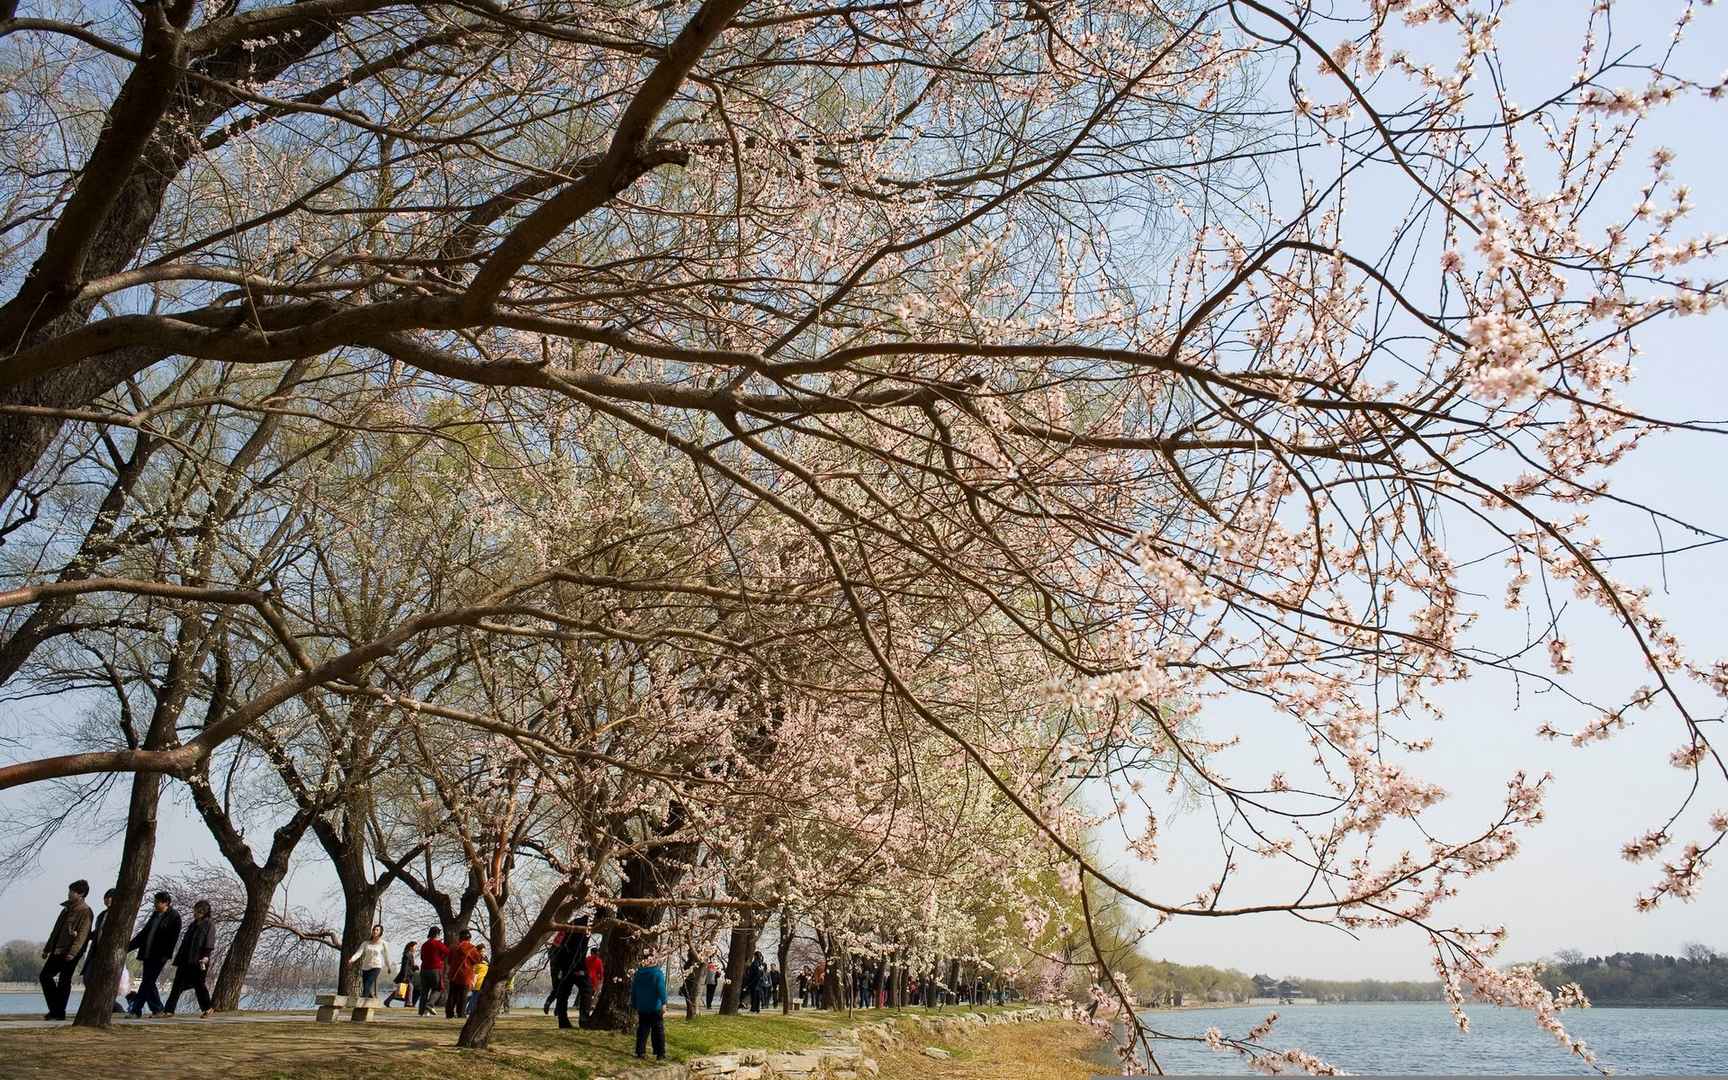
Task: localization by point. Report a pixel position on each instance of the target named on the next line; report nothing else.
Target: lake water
(1421, 1039)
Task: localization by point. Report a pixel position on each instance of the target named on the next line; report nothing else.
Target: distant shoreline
(1185, 1007)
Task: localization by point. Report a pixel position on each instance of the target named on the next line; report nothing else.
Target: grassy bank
(525, 1047)
(1047, 1051)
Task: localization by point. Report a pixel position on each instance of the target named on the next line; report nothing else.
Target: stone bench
(362, 1009)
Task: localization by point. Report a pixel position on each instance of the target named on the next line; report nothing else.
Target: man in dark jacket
(192, 960)
(648, 996)
(64, 948)
(558, 962)
(155, 944)
(572, 975)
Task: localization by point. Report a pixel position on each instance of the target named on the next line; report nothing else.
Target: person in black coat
(755, 979)
(558, 961)
(192, 959)
(155, 944)
(573, 975)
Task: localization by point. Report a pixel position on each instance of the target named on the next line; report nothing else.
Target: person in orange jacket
(463, 954)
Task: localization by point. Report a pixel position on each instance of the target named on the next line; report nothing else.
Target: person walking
(557, 963)
(477, 978)
(594, 977)
(459, 974)
(433, 955)
(573, 951)
(155, 944)
(407, 988)
(192, 960)
(648, 996)
(64, 948)
(372, 955)
(710, 984)
(753, 978)
(804, 987)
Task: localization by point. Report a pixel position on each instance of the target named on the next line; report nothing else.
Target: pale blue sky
(1569, 887)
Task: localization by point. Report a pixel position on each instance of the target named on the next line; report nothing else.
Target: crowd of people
(434, 974)
(430, 975)
(161, 940)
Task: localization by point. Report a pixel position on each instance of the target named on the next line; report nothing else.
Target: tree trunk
(738, 951)
(652, 874)
(620, 950)
(139, 852)
(345, 843)
(831, 988)
(507, 959)
(192, 106)
(231, 980)
(97, 1007)
(477, 1029)
(359, 909)
(692, 983)
(783, 954)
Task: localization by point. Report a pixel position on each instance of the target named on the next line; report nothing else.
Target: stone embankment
(845, 1053)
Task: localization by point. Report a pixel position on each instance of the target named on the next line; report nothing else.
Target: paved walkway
(20, 1023)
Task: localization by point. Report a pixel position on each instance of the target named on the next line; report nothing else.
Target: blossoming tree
(1179, 355)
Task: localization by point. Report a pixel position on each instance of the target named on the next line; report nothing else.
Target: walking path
(246, 1016)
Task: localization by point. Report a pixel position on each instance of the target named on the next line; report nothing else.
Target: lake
(1421, 1039)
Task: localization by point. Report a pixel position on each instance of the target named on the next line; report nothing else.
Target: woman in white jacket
(372, 957)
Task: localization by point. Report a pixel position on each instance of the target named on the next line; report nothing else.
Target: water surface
(1421, 1039)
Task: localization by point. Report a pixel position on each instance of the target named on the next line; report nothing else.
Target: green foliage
(1371, 990)
(1698, 978)
(1194, 982)
(20, 961)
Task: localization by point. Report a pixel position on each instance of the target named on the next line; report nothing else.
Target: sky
(1569, 888)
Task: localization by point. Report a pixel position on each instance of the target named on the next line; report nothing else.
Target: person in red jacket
(461, 965)
(432, 956)
(591, 989)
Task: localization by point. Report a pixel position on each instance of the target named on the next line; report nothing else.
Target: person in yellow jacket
(478, 978)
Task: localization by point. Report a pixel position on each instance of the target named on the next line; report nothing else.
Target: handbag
(402, 990)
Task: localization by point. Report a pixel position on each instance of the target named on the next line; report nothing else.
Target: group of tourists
(430, 975)
(869, 988)
(161, 940)
(577, 967)
(433, 974)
